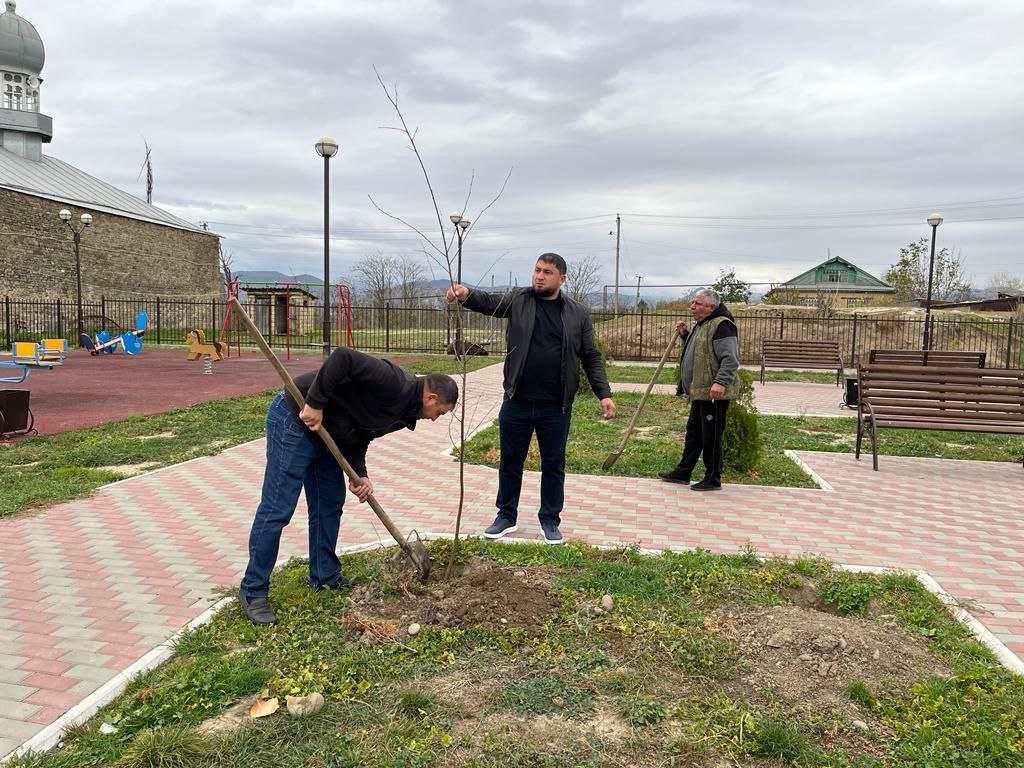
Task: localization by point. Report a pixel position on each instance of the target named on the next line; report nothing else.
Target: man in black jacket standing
(548, 336)
(356, 398)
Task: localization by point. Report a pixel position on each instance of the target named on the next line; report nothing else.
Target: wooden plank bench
(947, 358)
(801, 353)
(938, 398)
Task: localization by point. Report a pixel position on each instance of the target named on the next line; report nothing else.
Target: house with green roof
(850, 284)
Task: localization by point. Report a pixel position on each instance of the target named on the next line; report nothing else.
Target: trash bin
(15, 415)
(852, 398)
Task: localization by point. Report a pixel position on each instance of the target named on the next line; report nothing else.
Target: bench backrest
(947, 358)
(782, 350)
(943, 392)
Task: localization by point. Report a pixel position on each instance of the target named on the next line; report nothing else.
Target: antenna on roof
(147, 166)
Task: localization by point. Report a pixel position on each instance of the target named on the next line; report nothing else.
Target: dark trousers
(296, 459)
(518, 421)
(704, 430)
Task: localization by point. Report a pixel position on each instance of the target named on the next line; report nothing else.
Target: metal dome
(21, 48)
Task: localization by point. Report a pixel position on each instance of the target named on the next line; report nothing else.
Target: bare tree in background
(409, 280)
(1004, 282)
(227, 260)
(378, 275)
(584, 279)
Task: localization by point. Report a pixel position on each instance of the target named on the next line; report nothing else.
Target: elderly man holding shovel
(707, 375)
(355, 398)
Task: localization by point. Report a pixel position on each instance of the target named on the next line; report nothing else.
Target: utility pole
(618, 238)
(638, 279)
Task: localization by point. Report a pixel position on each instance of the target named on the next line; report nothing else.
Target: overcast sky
(754, 135)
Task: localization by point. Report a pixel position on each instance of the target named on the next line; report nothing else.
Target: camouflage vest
(705, 364)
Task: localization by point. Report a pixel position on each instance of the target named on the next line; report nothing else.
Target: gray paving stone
(8, 675)
(89, 658)
(78, 644)
(17, 710)
(75, 633)
(14, 692)
(9, 661)
(85, 687)
(17, 729)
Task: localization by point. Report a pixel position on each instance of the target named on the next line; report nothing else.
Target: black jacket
(362, 398)
(578, 345)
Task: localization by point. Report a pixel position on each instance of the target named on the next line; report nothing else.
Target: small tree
(378, 274)
(1004, 282)
(731, 288)
(909, 275)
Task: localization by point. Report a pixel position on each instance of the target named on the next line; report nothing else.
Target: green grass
(641, 374)
(536, 695)
(656, 442)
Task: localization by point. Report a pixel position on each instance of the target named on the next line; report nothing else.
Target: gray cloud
(698, 108)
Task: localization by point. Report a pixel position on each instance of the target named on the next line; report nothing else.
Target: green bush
(741, 443)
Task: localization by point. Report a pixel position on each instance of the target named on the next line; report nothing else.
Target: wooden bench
(939, 398)
(944, 358)
(800, 353)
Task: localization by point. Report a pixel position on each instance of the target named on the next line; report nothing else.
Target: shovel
(614, 455)
(413, 549)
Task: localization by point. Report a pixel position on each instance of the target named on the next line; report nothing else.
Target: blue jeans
(296, 459)
(517, 421)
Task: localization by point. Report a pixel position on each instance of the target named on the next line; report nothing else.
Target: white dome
(21, 48)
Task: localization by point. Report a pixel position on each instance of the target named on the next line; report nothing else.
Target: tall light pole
(327, 148)
(86, 219)
(461, 225)
(933, 221)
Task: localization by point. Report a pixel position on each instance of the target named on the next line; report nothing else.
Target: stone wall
(120, 257)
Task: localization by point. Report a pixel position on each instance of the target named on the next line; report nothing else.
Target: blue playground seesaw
(129, 341)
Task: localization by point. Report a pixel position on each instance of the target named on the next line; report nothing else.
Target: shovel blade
(419, 556)
(612, 458)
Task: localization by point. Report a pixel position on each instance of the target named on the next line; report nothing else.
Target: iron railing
(423, 329)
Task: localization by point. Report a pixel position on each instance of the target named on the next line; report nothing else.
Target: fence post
(60, 322)
(1009, 342)
(854, 359)
(7, 320)
(213, 316)
(157, 319)
(387, 326)
(640, 354)
(103, 311)
(782, 323)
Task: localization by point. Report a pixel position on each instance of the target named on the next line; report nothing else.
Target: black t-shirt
(542, 375)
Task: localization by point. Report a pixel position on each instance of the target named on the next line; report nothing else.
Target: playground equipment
(29, 353)
(129, 341)
(198, 346)
(18, 372)
(54, 350)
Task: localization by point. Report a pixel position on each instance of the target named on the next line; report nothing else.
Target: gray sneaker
(500, 527)
(551, 533)
(257, 610)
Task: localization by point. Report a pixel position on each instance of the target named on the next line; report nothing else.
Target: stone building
(129, 249)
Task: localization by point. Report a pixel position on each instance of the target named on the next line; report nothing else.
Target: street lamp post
(461, 225)
(86, 219)
(327, 148)
(933, 221)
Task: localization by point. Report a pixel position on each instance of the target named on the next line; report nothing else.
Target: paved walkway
(88, 587)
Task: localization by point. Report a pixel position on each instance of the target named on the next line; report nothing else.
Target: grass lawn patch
(574, 657)
(641, 374)
(657, 440)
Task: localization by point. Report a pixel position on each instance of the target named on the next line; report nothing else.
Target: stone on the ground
(414, 629)
(607, 603)
(299, 706)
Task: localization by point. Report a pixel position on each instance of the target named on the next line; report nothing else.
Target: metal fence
(394, 329)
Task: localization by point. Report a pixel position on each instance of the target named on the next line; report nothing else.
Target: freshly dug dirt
(480, 593)
(809, 658)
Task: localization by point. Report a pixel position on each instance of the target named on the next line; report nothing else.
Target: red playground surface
(87, 391)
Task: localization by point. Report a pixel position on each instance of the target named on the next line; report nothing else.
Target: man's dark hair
(554, 259)
(444, 386)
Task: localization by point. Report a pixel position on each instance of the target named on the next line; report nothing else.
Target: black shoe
(705, 485)
(343, 582)
(551, 533)
(257, 610)
(675, 476)
(500, 527)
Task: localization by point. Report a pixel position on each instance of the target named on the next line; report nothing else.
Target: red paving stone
(87, 391)
(152, 551)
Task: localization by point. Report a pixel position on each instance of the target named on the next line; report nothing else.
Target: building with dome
(129, 248)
